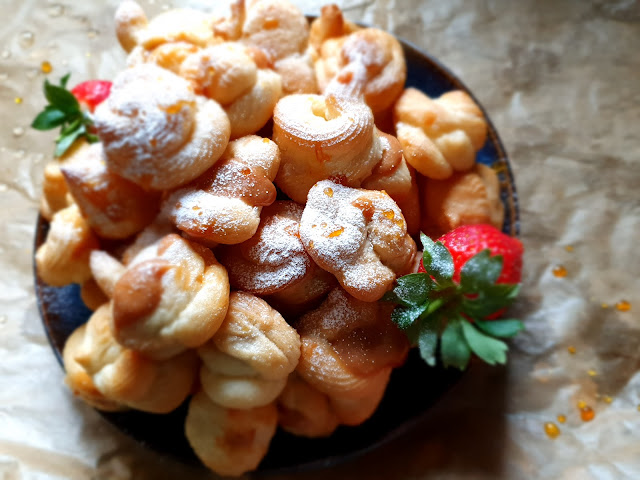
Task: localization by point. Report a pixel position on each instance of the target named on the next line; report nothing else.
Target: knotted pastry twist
(398, 180)
(463, 199)
(64, 256)
(358, 235)
(228, 74)
(229, 441)
(54, 191)
(439, 136)
(304, 410)
(224, 204)
(124, 377)
(113, 206)
(156, 132)
(247, 361)
(323, 137)
(281, 30)
(274, 263)
(348, 350)
(177, 25)
(78, 380)
(172, 296)
(357, 62)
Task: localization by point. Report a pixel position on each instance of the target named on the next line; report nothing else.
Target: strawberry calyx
(433, 309)
(64, 111)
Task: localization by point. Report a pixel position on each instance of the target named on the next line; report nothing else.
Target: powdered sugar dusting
(347, 232)
(274, 258)
(155, 131)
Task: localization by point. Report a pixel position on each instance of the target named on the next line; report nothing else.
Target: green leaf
(405, 317)
(480, 271)
(413, 289)
(500, 328)
(487, 348)
(454, 348)
(437, 260)
(427, 342)
(489, 300)
(61, 98)
(64, 80)
(64, 142)
(49, 118)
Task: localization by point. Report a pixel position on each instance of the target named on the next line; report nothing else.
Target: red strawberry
(469, 275)
(92, 92)
(465, 241)
(64, 111)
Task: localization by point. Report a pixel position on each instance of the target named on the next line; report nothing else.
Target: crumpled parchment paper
(560, 81)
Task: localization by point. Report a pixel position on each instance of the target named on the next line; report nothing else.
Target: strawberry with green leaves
(466, 278)
(65, 110)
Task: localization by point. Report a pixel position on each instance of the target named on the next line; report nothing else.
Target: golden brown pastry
(113, 206)
(358, 235)
(124, 376)
(54, 191)
(463, 199)
(156, 132)
(349, 348)
(64, 256)
(274, 263)
(305, 411)
(439, 136)
(323, 137)
(229, 441)
(280, 29)
(92, 295)
(330, 24)
(172, 296)
(223, 205)
(177, 25)
(247, 361)
(398, 180)
(77, 379)
(228, 74)
(351, 62)
(106, 271)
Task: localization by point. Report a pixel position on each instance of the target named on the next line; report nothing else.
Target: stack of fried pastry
(239, 266)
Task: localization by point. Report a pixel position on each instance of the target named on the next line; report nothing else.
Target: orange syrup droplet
(336, 233)
(569, 248)
(582, 404)
(559, 271)
(195, 208)
(245, 171)
(18, 100)
(311, 244)
(623, 306)
(46, 67)
(266, 140)
(551, 429)
(562, 418)
(270, 24)
(571, 350)
(587, 414)
(390, 214)
(328, 192)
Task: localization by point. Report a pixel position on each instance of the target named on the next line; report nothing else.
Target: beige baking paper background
(561, 81)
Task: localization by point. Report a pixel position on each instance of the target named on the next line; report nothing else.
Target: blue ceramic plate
(405, 401)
